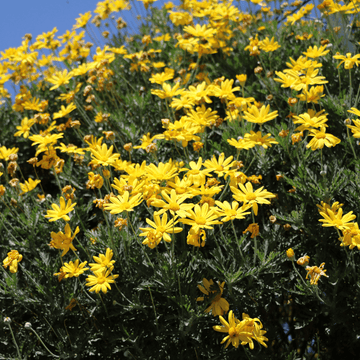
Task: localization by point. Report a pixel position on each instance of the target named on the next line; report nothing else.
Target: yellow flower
(348, 60)
(242, 79)
(231, 212)
(354, 111)
(241, 332)
(221, 166)
(259, 117)
(218, 306)
(196, 175)
(123, 203)
(103, 262)
(225, 90)
(314, 52)
(351, 236)
(202, 31)
(162, 227)
(253, 229)
(146, 140)
(12, 260)
(208, 191)
(338, 220)
(257, 138)
(201, 217)
(82, 20)
(315, 272)
(60, 212)
(248, 195)
(194, 238)
(355, 129)
(73, 269)
(295, 138)
(101, 155)
(5, 153)
(303, 261)
(241, 143)
(153, 239)
(63, 241)
(59, 78)
(101, 281)
(64, 111)
(307, 122)
(44, 142)
(174, 204)
(95, 181)
(168, 74)
(290, 254)
(162, 172)
(24, 128)
(321, 138)
(325, 206)
(168, 91)
(314, 94)
(309, 78)
(29, 185)
(268, 45)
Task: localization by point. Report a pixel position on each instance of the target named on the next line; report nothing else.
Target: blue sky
(37, 16)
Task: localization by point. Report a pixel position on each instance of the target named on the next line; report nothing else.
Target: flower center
(201, 220)
(174, 206)
(250, 196)
(337, 222)
(232, 332)
(230, 212)
(101, 279)
(320, 135)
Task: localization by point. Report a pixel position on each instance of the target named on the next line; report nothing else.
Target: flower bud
(290, 254)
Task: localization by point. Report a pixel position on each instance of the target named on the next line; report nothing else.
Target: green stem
(57, 179)
(44, 344)
(103, 305)
(152, 300)
(298, 274)
(17, 347)
(352, 148)
(110, 233)
(350, 87)
(237, 241)
(255, 240)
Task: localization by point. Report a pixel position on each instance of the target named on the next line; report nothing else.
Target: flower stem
(350, 87)
(17, 347)
(56, 356)
(352, 148)
(255, 241)
(152, 300)
(57, 179)
(237, 241)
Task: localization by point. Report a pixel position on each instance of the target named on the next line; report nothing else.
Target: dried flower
(303, 261)
(253, 229)
(315, 273)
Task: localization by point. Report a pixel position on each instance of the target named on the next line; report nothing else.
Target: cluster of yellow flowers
(314, 272)
(102, 270)
(239, 332)
(333, 216)
(174, 192)
(12, 260)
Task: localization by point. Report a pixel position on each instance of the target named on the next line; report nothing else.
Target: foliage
(176, 167)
